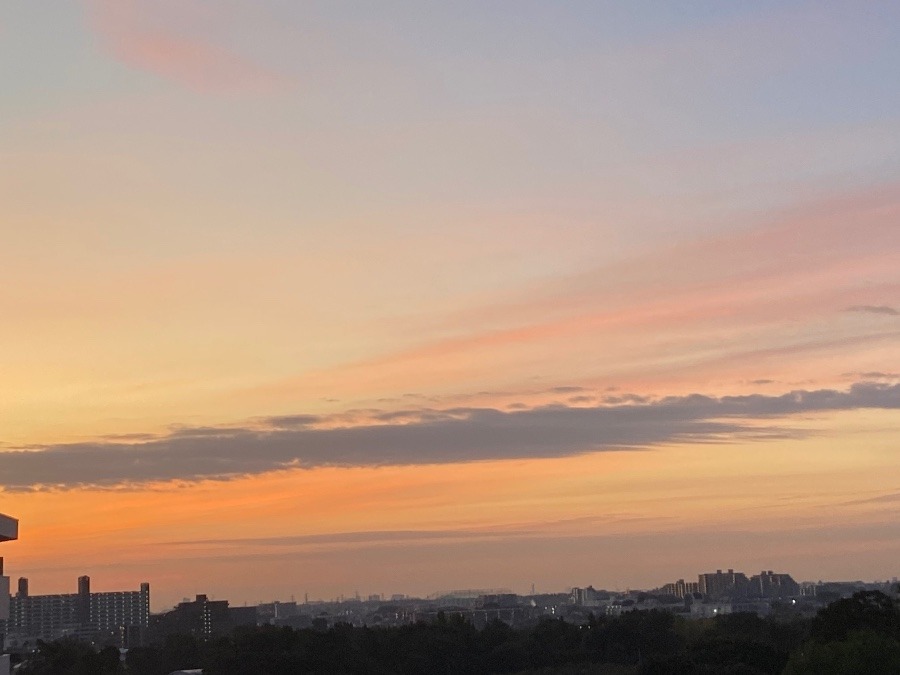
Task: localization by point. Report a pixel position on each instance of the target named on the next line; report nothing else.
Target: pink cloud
(721, 303)
(173, 40)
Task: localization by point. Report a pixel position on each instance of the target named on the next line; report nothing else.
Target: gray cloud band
(423, 437)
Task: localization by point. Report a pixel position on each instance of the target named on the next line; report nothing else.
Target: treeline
(856, 635)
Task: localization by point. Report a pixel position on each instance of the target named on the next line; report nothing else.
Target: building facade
(9, 530)
(108, 616)
(767, 584)
(681, 588)
(203, 618)
(728, 584)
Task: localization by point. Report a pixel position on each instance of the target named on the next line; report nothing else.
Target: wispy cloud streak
(874, 309)
(158, 38)
(423, 437)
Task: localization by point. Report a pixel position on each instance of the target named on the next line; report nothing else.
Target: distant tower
(145, 603)
(22, 591)
(84, 600)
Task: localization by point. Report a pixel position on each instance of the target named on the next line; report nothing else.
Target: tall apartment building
(736, 585)
(585, 597)
(80, 614)
(767, 584)
(681, 588)
(203, 618)
(724, 584)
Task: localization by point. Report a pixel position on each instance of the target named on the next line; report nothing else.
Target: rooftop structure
(9, 528)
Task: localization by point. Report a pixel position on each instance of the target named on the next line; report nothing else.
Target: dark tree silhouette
(866, 610)
(855, 635)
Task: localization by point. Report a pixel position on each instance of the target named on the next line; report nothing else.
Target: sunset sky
(402, 297)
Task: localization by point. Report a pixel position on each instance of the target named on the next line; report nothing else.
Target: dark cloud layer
(422, 437)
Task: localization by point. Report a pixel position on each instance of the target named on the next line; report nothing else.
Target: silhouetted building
(83, 608)
(767, 584)
(105, 616)
(681, 588)
(9, 530)
(273, 612)
(495, 600)
(4, 613)
(4, 599)
(201, 617)
(585, 597)
(243, 616)
(22, 590)
(809, 589)
(728, 584)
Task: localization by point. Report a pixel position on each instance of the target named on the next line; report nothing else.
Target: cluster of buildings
(119, 617)
(123, 618)
(721, 592)
(720, 588)
(201, 617)
(735, 585)
(478, 606)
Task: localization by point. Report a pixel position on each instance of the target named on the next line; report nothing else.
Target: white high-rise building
(9, 530)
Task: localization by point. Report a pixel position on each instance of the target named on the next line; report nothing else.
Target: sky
(400, 297)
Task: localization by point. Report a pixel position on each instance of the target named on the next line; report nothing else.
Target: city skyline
(449, 296)
(82, 588)
(21, 587)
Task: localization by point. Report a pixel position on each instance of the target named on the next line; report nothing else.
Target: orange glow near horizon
(302, 515)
